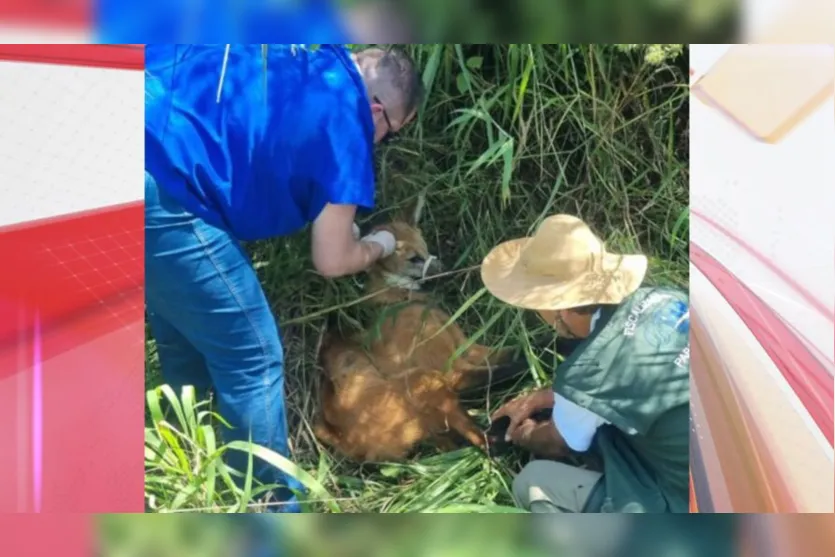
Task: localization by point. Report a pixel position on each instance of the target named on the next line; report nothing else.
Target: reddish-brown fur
(381, 398)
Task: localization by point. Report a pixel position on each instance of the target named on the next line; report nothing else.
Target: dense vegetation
(508, 134)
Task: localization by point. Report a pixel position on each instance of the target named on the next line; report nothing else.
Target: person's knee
(528, 480)
(255, 404)
(252, 399)
(251, 345)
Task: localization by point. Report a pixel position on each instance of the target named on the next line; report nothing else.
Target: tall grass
(508, 134)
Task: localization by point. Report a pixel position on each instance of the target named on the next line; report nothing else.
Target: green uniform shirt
(634, 372)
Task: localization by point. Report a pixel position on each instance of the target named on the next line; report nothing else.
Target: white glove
(384, 238)
(356, 231)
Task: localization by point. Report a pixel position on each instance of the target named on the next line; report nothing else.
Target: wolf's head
(411, 260)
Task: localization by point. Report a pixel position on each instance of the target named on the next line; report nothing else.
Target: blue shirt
(208, 21)
(291, 133)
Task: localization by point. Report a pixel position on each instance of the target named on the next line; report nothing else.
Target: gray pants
(545, 486)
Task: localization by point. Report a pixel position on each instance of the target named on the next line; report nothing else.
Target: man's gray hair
(390, 75)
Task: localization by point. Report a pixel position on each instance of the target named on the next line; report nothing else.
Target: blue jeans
(214, 329)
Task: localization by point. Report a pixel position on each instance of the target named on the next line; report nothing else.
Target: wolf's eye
(416, 259)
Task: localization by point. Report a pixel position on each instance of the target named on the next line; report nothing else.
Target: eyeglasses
(390, 133)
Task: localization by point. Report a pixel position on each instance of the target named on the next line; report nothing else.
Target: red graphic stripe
(77, 413)
(804, 373)
(126, 57)
(29, 535)
(89, 434)
(68, 264)
(67, 14)
(819, 306)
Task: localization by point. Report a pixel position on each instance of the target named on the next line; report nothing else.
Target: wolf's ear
(414, 210)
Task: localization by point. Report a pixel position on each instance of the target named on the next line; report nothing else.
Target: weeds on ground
(508, 135)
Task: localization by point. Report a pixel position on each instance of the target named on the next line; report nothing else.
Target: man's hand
(540, 438)
(523, 407)
(336, 249)
(384, 238)
(380, 235)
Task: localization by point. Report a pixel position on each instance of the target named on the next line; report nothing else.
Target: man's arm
(335, 250)
(575, 424)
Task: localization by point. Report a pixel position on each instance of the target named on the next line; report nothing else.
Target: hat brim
(508, 281)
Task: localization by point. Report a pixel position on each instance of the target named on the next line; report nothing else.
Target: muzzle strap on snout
(426, 265)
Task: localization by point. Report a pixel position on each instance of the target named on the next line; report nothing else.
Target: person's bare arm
(336, 251)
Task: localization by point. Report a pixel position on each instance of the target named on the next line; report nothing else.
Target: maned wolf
(398, 384)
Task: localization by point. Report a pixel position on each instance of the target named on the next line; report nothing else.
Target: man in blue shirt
(247, 142)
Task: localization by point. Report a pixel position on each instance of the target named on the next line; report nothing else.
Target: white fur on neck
(399, 281)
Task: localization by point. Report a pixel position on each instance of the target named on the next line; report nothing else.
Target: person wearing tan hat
(621, 396)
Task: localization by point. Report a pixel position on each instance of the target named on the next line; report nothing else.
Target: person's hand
(540, 438)
(334, 245)
(356, 230)
(384, 238)
(522, 408)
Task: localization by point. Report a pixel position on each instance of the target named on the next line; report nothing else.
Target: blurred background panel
(46, 535)
(179, 535)
(402, 21)
(369, 21)
(46, 21)
(565, 20)
(196, 535)
(788, 21)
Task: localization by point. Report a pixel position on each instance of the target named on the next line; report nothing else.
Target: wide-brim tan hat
(564, 265)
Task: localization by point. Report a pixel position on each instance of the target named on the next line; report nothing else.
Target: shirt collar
(594, 319)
